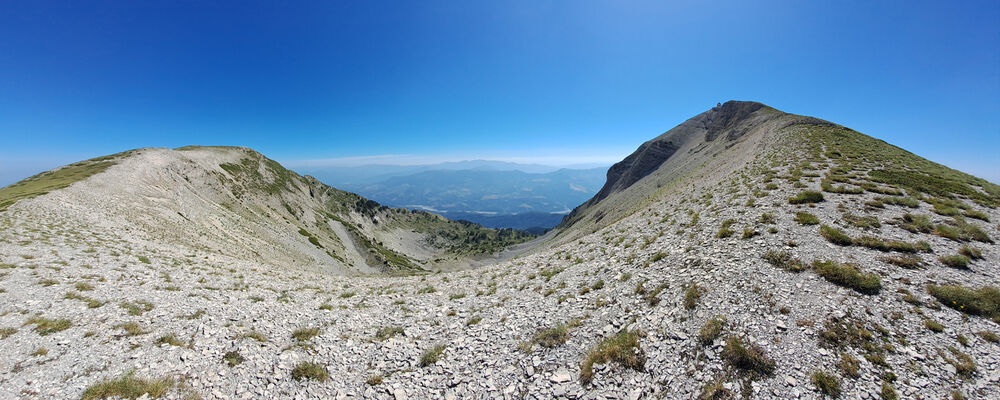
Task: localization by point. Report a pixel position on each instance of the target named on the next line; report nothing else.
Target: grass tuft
(307, 370)
(848, 276)
(45, 326)
(746, 357)
(826, 383)
(806, 197)
(621, 348)
(431, 355)
(128, 387)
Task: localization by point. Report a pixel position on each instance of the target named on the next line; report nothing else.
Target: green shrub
(848, 276)
(621, 348)
(745, 357)
(805, 197)
(934, 326)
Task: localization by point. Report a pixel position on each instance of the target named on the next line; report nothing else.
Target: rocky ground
(83, 304)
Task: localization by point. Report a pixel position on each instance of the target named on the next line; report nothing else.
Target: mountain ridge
(787, 257)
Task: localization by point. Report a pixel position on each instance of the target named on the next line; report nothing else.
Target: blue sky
(521, 80)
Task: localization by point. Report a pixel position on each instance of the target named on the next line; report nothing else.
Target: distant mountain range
(491, 193)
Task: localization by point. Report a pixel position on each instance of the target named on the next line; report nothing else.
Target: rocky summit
(745, 253)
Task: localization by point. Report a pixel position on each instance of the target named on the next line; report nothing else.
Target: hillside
(237, 203)
(747, 252)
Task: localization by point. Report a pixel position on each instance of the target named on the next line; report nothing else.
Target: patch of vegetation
(961, 231)
(312, 371)
(132, 329)
(863, 222)
(989, 336)
(955, 261)
(984, 301)
(711, 330)
(907, 261)
(253, 334)
(971, 252)
(387, 332)
(692, 293)
(473, 320)
(91, 303)
(934, 326)
(170, 339)
(838, 237)
(747, 357)
(7, 332)
(552, 337)
(374, 380)
(431, 355)
(963, 363)
(137, 308)
(916, 223)
(835, 236)
(46, 326)
(783, 260)
(888, 392)
(806, 197)
(849, 276)
(826, 383)
(767, 218)
(304, 334)
(715, 390)
(128, 387)
(621, 348)
(233, 358)
(849, 365)
(804, 218)
(726, 229)
(908, 202)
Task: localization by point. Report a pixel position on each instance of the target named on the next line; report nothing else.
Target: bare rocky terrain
(766, 255)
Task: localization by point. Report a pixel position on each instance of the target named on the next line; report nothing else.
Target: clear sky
(518, 80)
